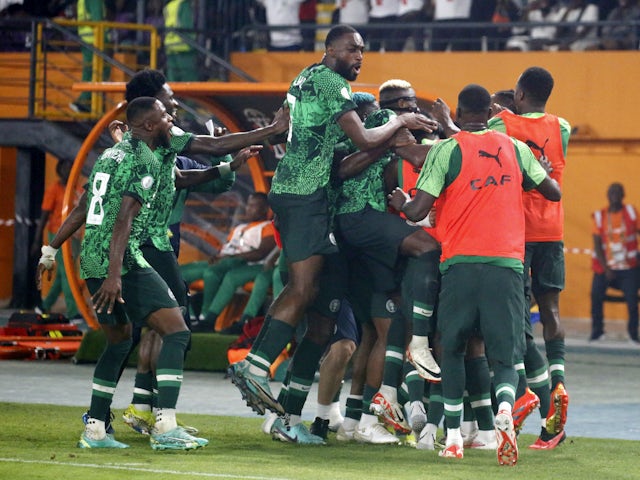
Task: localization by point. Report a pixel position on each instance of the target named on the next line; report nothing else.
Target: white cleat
(375, 434)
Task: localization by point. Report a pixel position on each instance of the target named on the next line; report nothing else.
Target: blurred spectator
(506, 11)
(125, 12)
(448, 12)
(412, 11)
(621, 37)
(537, 38)
(383, 11)
(14, 37)
(352, 12)
(578, 37)
(283, 12)
(181, 58)
(89, 11)
(308, 13)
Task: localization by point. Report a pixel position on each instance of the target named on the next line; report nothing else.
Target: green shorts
(304, 224)
(545, 260)
(166, 264)
(378, 236)
(485, 299)
(143, 292)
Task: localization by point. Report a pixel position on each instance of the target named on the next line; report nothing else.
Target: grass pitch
(39, 442)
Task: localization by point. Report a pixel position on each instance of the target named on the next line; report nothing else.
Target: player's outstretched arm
(236, 141)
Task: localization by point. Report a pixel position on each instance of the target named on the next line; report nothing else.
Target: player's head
(150, 121)
(474, 104)
(257, 207)
(366, 103)
(534, 85)
(344, 48)
(504, 98)
(151, 83)
(399, 96)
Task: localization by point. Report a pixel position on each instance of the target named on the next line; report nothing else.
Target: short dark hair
(139, 107)
(537, 83)
(146, 83)
(337, 32)
(474, 99)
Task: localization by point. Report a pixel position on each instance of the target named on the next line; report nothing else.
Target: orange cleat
(523, 407)
(557, 417)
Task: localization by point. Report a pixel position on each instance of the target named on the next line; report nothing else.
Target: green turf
(38, 442)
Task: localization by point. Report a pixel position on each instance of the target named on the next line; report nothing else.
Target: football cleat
(254, 389)
(427, 439)
(417, 417)
(176, 439)
(523, 407)
(298, 433)
(507, 450)
(320, 428)
(420, 357)
(375, 434)
(547, 441)
(345, 435)
(107, 442)
(142, 421)
(557, 417)
(452, 451)
(389, 412)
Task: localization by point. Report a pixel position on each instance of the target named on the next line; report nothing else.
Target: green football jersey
(128, 168)
(367, 188)
(157, 232)
(317, 98)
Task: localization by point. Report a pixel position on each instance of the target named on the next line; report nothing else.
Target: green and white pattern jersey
(317, 98)
(128, 168)
(367, 188)
(158, 225)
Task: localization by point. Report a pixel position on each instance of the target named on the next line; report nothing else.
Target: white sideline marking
(138, 469)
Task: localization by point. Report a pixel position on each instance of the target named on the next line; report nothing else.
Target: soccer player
(548, 136)
(478, 176)
(124, 287)
(322, 111)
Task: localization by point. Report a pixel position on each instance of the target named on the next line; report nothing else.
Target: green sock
(277, 334)
(143, 389)
(479, 388)
(105, 378)
(304, 365)
(354, 407)
(555, 356)
(170, 368)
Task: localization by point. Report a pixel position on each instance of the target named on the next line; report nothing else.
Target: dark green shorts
(304, 224)
(166, 264)
(378, 236)
(143, 292)
(545, 260)
(486, 299)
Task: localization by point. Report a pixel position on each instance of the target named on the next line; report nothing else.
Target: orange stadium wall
(591, 91)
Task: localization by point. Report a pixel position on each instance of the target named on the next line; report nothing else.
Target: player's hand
(417, 121)
(220, 131)
(244, 155)
(441, 112)
(546, 164)
(402, 138)
(108, 294)
(117, 129)
(281, 120)
(47, 262)
(496, 108)
(398, 198)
